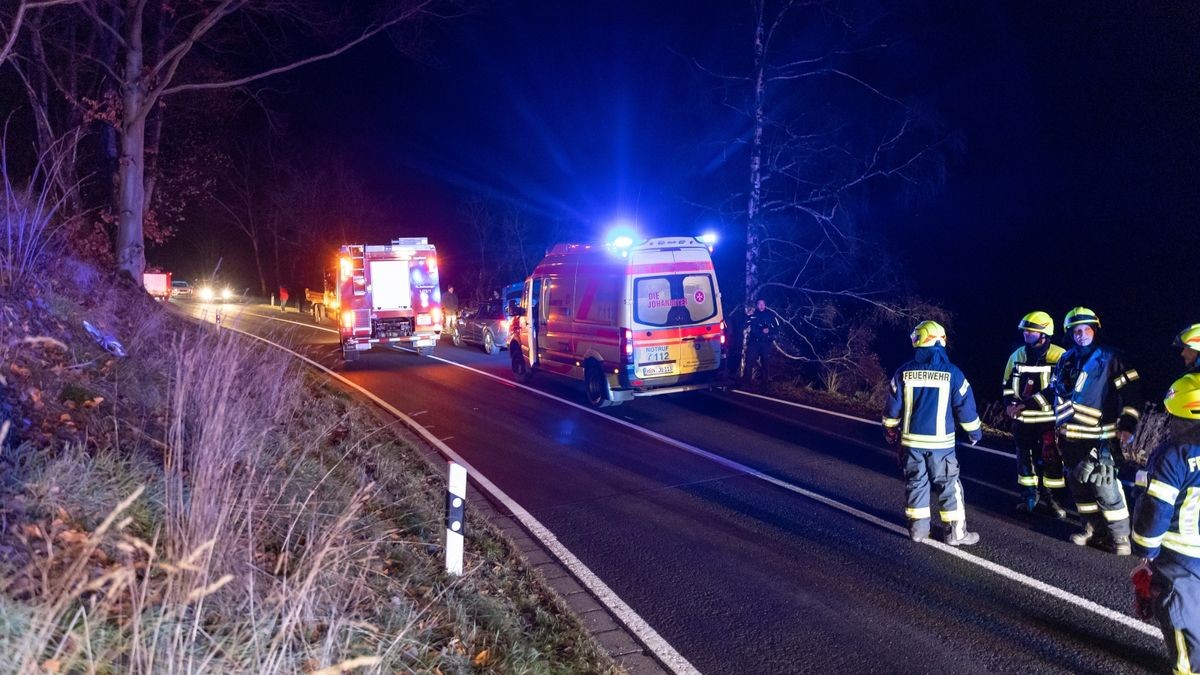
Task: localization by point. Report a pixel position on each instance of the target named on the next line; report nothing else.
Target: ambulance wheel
(596, 387)
(489, 344)
(521, 371)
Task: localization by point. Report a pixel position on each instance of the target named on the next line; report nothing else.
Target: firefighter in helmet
(1188, 344)
(1097, 407)
(928, 394)
(1164, 530)
(1029, 403)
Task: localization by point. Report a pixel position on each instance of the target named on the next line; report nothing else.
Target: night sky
(1076, 183)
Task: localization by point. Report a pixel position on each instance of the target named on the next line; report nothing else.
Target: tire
(521, 371)
(456, 338)
(596, 388)
(424, 351)
(489, 344)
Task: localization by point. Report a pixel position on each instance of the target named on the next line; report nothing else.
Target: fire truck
(389, 295)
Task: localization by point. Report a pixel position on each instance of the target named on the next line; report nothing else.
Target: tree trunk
(754, 206)
(131, 168)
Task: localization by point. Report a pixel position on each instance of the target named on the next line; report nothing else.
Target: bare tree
(824, 140)
(242, 207)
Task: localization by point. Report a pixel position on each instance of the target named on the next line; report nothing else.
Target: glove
(1013, 409)
(1084, 471)
(1143, 595)
(891, 435)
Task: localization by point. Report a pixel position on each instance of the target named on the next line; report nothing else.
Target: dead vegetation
(204, 505)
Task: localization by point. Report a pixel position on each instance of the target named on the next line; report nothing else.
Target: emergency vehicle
(389, 294)
(628, 320)
(157, 284)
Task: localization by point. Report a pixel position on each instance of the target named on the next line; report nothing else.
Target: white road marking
(1013, 575)
(981, 448)
(419, 412)
(632, 620)
(445, 438)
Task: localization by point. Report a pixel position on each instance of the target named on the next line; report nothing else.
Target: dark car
(486, 325)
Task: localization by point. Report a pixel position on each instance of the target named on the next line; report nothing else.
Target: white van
(635, 321)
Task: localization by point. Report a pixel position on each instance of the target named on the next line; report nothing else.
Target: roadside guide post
(456, 507)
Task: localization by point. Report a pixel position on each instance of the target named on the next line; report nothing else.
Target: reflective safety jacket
(1096, 394)
(1167, 515)
(1027, 379)
(927, 395)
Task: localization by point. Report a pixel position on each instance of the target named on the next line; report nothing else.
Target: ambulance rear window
(674, 300)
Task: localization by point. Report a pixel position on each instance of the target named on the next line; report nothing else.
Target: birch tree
(825, 137)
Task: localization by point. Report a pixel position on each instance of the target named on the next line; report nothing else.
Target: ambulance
(627, 320)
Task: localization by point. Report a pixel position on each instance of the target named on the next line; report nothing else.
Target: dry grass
(213, 509)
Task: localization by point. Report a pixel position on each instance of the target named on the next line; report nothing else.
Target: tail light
(437, 315)
(348, 320)
(722, 333)
(626, 346)
(424, 320)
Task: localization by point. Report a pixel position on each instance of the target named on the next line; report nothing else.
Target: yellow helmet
(1079, 317)
(928, 334)
(1189, 337)
(1037, 322)
(1183, 398)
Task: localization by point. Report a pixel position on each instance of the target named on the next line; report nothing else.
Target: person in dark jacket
(450, 309)
(928, 394)
(1164, 530)
(1097, 407)
(760, 341)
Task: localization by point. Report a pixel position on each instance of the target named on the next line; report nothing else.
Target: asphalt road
(802, 567)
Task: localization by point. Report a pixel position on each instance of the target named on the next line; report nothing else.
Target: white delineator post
(456, 508)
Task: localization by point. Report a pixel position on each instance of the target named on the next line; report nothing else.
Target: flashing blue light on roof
(621, 236)
(622, 241)
(709, 238)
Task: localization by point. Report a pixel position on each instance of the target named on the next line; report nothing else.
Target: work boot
(1112, 544)
(1051, 504)
(918, 530)
(958, 535)
(1082, 538)
(1026, 506)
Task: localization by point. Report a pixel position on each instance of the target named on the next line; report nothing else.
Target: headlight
(206, 293)
(227, 294)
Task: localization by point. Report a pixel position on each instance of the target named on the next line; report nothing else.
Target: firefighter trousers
(1101, 506)
(1177, 609)
(927, 470)
(758, 355)
(1038, 461)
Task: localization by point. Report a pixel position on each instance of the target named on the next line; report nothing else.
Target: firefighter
(1097, 406)
(1029, 403)
(763, 326)
(1164, 530)
(927, 395)
(1188, 344)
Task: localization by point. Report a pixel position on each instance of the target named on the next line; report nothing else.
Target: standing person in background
(1167, 579)
(1029, 403)
(927, 395)
(763, 327)
(283, 298)
(1097, 407)
(450, 309)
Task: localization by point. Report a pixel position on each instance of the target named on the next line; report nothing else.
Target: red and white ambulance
(389, 294)
(629, 321)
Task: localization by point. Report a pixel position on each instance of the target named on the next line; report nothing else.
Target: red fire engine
(389, 294)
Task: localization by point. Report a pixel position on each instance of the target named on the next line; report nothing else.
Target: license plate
(663, 369)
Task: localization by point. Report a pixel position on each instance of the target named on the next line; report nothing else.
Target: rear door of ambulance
(676, 314)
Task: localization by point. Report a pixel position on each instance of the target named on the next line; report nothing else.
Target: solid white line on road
(981, 448)
(1013, 575)
(632, 620)
(419, 412)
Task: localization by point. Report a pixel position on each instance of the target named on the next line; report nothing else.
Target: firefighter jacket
(1027, 379)
(1166, 514)
(927, 395)
(1097, 394)
(763, 326)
